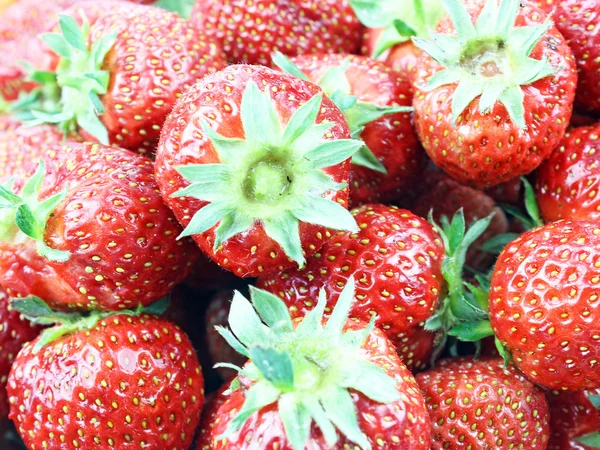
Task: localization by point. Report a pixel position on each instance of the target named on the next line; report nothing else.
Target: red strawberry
(14, 332)
(372, 98)
(401, 57)
(396, 258)
(492, 114)
(113, 382)
(568, 184)
(573, 415)
(543, 304)
(256, 176)
(139, 61)
(96, 234)
(316, 385)
(292, 27)
(209, 414)
(482, 405)
(579, 119)
(577, 20)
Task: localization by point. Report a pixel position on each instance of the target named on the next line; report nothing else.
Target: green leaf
(365, 158)
(460, 18)
(594, 400)
(341, 411)
(275, 366)
(287, 66)
(343, 100)
(513, 99)
(504, 352)
(391, 36)
(507, 14)
(11, 198)
(231, 225)
(99, 50)
(245, 322)
(72, 32)
(489, 97)
(531, 205)
(271, 309)
(51, 254)
(302, 120)
(363, 113)
(26, 222)
(526, 38)
(472, 331)
(456, 231)
(335, 78)
(259, 118)
(432, 49)
(207, 217)
(182, 7)
(320, 417)
(296, 420)
(57, 44)
(591, 440)
(204, 173)
(340, 312)
(372, 381)
(487, 18)
(464, 94)
(32, 307)
(285, 231)
(374, 13)
(313, 320)
(331, 153)
(496, 244)
(327, 213)
(90, 122)
(232, 341)
(441, 78)
(228, 148)
(157, 308)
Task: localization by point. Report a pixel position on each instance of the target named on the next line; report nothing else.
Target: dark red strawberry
(120, 381)
(138, 60)
(206, 275)
(90, 230)
(254, 163)
(577, 20)
(573, 416)
(579, 119)
(315, 384)
(542, 304)
(568, 184)
(485, 105)
(374, 100)
(396, 258)
(14, 332)
(480, 404)
(292, 27)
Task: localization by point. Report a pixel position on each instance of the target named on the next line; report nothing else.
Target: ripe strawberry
(479, 404)
(90, 230)
(346, 378)
(396, 258)
(376, 102)
(577, 21)
(402, 57)
(120, 381)
(485, 104)
(120, 75)
(573, 415)
(212, 404)
(14, 332)
(542, 306)
(568, 183)
(250, 33)
(251, 175)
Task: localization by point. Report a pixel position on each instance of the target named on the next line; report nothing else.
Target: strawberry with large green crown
(255, 165)
(494, 90)
(316, 384)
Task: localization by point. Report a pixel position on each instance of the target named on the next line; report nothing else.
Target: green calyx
(308, 370)
(37, 311)
(182, 7)
(358, 114)
(591, 440)
(400, 19)
(488, 59)
(79, 78)
(273, 177)
(25, 216)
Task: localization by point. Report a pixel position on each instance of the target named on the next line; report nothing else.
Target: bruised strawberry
(255, 164)
(573, 418)
(89, 230)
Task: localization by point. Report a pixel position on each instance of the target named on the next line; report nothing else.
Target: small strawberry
(89, 229)
(574, 420)
(480, 404)
(254, 163)
(212, 404)
(250, 32)
(106, 381)
(396, 258)
(376, 102)
(315, 384)
(120, 74)
(568, 184)
(486, 106)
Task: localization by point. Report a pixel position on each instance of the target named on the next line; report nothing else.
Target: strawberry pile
(300, 224)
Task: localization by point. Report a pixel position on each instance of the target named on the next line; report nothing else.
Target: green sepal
(183, 8)
(296, 420)
(503, 351)
(591, 440)
(286, 65)
(497, 243)
(276, 367)
(594, 400)
(531, 217)
(396, 33)
(472, 331)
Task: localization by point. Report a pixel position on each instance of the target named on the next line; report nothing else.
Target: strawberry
(314, 384)
(376, 102)
(568, 183)
(543, 304)
(212, 404)
(206, 275)
(574, 419)
(396, 258)
(577, 21)
(89, 229)
(120, 74)
(255, 174)
(250, 32)
(106, 381)
(14, 332)
(485, 104)
(402, 57)
(479, 404)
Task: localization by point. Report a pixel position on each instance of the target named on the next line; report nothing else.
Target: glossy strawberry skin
(396, 261)
(14, 332)
(571, 415)
(250, 253)
(122, 237)
(480, 404)
(296, 27)
(401, 425)
(129, 382)
(392, 139)
(543, 298)
(483, 150)
(212, 404)
(568, 183)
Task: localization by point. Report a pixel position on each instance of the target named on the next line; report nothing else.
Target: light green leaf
(524, 39)
(591, 440)
(57, 44)
(285, 231)
(340, 312)
(364, 376)
(490, 95)
(496, 244)
(287, 66)
(507, 14)
(331, 153)
(228, 148)
(100, 49)
(320, 417)
(302, 120)
(531, 204)
(335, 79)
(464, 94)
(433, 49)
(45, 208)
(245, 322)
(90, 122)
(72, 32)
(341, 411)
(513, 99)
(343, 100)
(271, 309)
(365, 158)
(390, 37)
(594, 400)
(232, 341)
(296, 420)
(182, 7)
(204, 173)
(311, 137)
(259, 118)
(460, 18)
(276, 367)
(313, 320)
(207, 217)
(231, 224)
(327, 213)
(486, 21)
(363, 113)
(472, 331)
